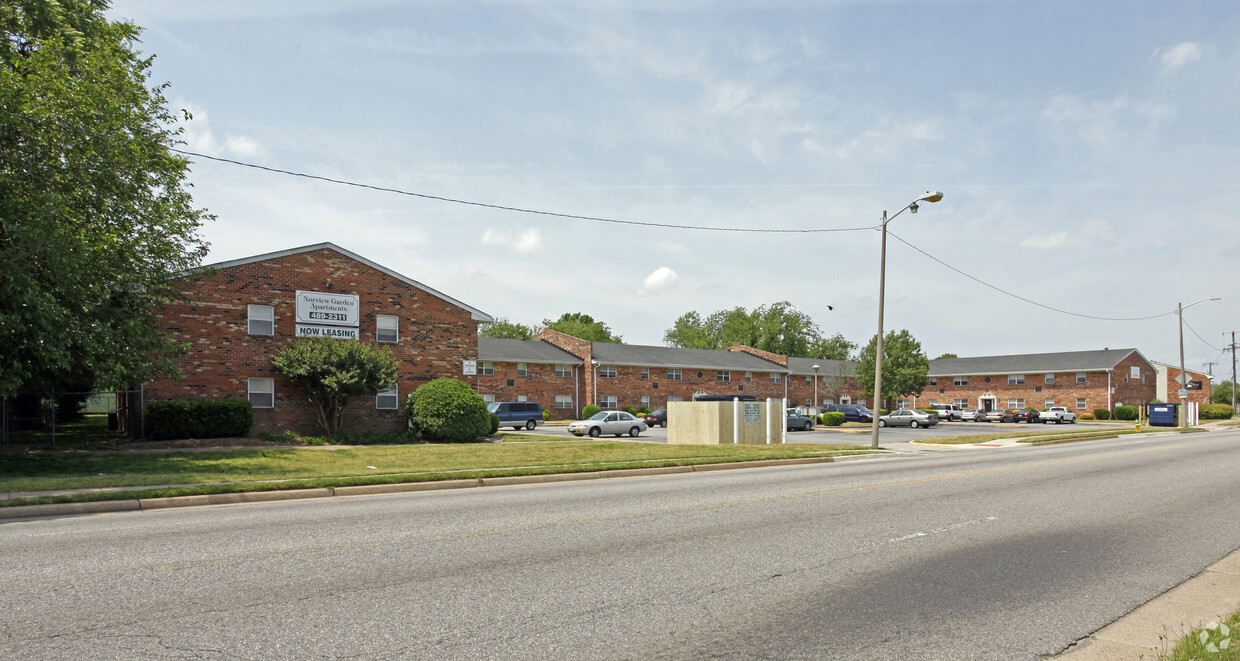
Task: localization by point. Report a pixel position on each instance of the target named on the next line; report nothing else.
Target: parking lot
(849, 434)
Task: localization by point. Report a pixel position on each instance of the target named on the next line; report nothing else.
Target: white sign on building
(314, 307)
(327, 331)
(471, 368)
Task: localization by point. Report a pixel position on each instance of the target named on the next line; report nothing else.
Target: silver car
(608, 422)
(908, 418)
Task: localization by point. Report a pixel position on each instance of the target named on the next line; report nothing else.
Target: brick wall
(1173, 386)
(435, 336)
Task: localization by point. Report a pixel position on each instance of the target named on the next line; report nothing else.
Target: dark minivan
(517, 414)
(852, 412)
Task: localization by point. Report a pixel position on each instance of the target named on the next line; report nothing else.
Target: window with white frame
(748, 377)
(933, 402)
(262, 393)
(960, 381)
(645, 401)
(1080, 402)
(934, 381)
(645, 372)
(523, 369)
(486, 368)
(1049, 379)
(674, 398)
(609, 401)
(1080, 377)
(723, 375)
(607, 371)
(489, 399)
(1049, 403)
(776, 377)
(387, 328)
(523, 398)
(673, 374)
(1134, 372)
(387, 398)
(1016, 379)
(901, 404)
(809, 380)
(563, 371)
(1016, 404)
(564, 401)
(261, 320)
(829, 400)
(962, 403)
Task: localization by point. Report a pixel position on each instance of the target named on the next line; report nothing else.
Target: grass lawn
(301, 467)
(1218, 643)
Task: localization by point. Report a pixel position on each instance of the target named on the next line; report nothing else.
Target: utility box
(1164, 415)
(718, 423)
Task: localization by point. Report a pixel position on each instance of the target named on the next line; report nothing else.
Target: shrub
(1126, 412)
(1087, 416)
(1102, 414)
(1216, 411)
(589, 410)
(630, 410)
(448, 411)
(495, 422)
(645, 410)
(546, 416)
(833, 418)
(199, 418)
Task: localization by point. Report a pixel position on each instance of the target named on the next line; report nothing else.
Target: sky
(1088, 153)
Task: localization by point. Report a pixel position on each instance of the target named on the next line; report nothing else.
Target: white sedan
(608, 422)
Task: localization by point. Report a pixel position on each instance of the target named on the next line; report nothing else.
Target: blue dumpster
(1164, 415)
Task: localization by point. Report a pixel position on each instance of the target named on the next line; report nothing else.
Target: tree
(502, 328)
(330, 372)
(778, 328)
(448, 410)
(582, 326)
(905, 366)
(95, 217)
(948, 355)
(1220, 393)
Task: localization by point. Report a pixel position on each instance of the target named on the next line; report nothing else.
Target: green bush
(495, 422)
(1216, 411)
(1126, 412)
(448, 411)
(645, 410)
(833, 418)
(199, 418)
(1102, 414)
(589, 410)
(546, 416)
(630, 410)
(1087, 416)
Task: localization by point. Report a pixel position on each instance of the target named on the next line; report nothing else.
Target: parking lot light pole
(934, 196)
(594, 368)
(815, 368)
(1179, 311)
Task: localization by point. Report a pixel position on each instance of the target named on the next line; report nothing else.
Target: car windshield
(598, 416)
(492, 407)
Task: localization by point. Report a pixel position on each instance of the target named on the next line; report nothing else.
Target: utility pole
(1232, 348)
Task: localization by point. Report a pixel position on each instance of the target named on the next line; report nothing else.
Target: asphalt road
(971, 554)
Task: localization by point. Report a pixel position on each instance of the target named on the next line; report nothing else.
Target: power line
(1022, 298)
(501, 207)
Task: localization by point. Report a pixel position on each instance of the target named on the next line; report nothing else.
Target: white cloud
(523, 242)
(1179, 55)
(199, 136)
(1094, 233)
(659, 278)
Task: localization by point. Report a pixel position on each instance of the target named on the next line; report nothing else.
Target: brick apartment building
(1081, 380)
(239, 314)
(1169, 385)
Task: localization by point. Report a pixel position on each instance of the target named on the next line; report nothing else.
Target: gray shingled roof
(632, 354)
(523, 351)
(1069, 361)
(826, 367)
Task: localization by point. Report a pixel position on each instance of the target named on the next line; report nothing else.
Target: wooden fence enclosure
(718, 423)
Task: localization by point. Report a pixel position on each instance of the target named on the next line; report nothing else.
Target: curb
(17, 512)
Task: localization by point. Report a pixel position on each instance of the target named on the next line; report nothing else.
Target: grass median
(173, 473)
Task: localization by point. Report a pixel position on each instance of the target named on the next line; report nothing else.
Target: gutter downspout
(1110, 404)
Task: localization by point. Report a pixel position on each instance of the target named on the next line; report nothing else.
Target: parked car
(517, 414)
(973, 415)
(798, 421)
(657, 418)
(852, 412)
(608, 422)
(908, 418)
(1058, 414)
(946, 412)
(1026, 415)
(999, 415)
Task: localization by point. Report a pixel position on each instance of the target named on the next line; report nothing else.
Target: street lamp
(815, 368)
(934, 196)
(1179, 311)
(594, 364)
